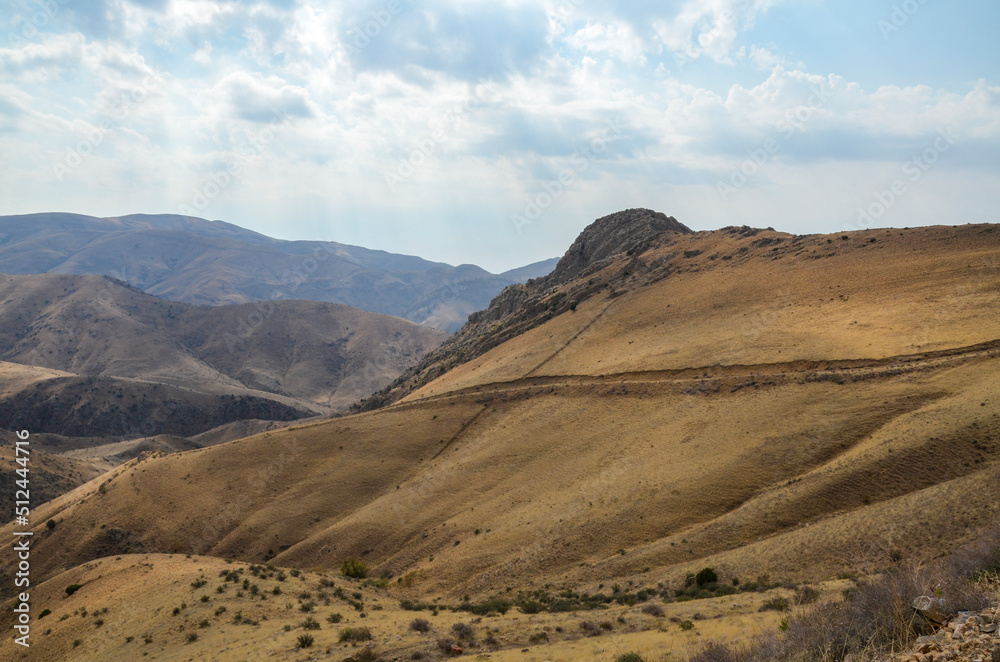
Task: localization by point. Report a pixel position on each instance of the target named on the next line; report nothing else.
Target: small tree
(706, 576)
(355, 568)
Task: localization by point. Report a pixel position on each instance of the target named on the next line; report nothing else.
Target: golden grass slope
(780, 411)
(125, 608)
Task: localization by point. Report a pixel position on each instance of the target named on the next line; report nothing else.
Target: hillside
(195, 261)
(761, 403)
(112, 361)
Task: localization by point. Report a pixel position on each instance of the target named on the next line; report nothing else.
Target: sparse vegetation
(305, 641)
(420, 625)
(875, 617)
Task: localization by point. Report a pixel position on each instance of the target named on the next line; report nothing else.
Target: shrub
(653, 610)
(51, 524)
(334, 618)
(305, 641)
(706, 576)
(355, 634)
(45, 612)
(462, 630)
(775, 604)
(192, 637)
(806, 595)
(73, 588)
(420, 625)
(445, 644)
(591, 629)
(354, 568)
(310, 624)
(630, 657)
(687, 625)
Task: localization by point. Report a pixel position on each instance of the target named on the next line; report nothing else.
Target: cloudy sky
(493, 132)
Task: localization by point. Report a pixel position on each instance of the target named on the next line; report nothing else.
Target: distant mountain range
(202, 262)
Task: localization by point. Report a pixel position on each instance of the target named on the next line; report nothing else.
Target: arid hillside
(88, 356)
(758, 402)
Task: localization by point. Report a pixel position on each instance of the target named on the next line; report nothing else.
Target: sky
(493, 132)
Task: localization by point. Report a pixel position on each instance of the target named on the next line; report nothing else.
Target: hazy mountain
(89, 356)
(210, 262)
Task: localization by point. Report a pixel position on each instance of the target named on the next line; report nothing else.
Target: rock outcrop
(969, 637)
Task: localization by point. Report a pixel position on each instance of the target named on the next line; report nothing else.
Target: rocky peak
(630, 231)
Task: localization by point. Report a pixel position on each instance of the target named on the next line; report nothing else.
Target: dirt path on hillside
(728, 379)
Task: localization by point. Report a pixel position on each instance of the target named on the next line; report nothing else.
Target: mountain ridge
(202, 262)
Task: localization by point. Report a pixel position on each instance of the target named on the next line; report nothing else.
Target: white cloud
(617, 40)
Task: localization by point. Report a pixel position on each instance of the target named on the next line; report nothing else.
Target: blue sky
(493, 132)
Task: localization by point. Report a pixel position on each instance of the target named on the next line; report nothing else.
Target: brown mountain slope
(51, 475)
(132, 354)
(760, 402)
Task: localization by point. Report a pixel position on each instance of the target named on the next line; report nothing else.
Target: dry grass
(784, 450)
(875, 619)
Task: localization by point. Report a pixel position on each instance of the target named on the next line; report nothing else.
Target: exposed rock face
(630, 231)
(969, 637)
(519, 308)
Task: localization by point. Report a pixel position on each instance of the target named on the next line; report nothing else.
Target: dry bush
(876, 617)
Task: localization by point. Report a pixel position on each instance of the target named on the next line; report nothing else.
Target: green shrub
(687, 625)
(706, 576)
(630, 657)
(45, 612)
(73, 588)
(305, 641)
(334, 618)
(310, 624)
(354, 568)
